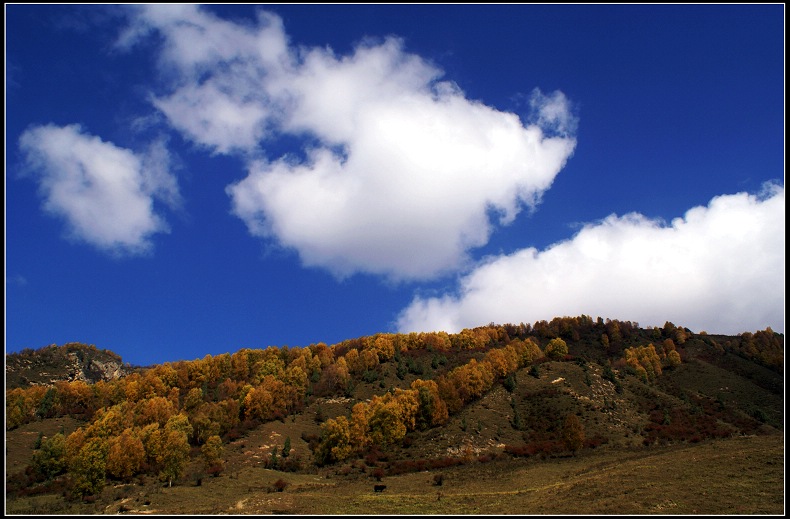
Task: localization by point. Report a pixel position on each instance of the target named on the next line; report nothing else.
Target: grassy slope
(741, 475)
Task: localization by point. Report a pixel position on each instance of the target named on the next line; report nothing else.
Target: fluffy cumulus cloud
(105, 193)
(403, 176)
(720, 268)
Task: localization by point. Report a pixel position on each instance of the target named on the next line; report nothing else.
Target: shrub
(215, 470)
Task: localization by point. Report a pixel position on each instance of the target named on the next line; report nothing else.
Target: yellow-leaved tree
(335, 443)
(126, 455)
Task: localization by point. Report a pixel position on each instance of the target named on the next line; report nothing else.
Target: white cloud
(719, 269)
(404, 170)
(222, 74)
(105, 193)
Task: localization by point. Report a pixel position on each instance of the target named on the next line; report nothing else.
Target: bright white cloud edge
(104, 193)
(718, 269)
(404, 171)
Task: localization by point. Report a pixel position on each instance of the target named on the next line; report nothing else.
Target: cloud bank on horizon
(400, 175)
(718, 268)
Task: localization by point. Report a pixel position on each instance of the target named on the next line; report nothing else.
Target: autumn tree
(448, 393)
(472, 379)
(125, 455)
(174, 448)
(21, 405)
(240, 369)
(468, 339)
(432, 409)
(74, 443)
(323, 353)
(503, 361)
(673, 359)
(207, 421)
(369, 360)
(353, 361)
(358, 426)
(258, 404)
(335, 442)
(151, 436)
(335, 377)
(158, 409)
(613, 331)
(295, 379)
(573, 433)
(76, 398)
(173, 456)
(385, 424)
(384, 347)
(111, 421)
(439, 341)
(644, 361)
(527, 351)
(671, 353)
(193, 399)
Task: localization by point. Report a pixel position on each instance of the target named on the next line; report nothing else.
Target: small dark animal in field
(379, 488)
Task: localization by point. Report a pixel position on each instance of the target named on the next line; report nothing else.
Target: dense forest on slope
(392, 403)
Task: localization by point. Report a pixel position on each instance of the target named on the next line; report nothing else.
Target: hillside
(429, 415)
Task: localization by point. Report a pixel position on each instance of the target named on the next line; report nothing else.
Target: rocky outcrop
(72, 361)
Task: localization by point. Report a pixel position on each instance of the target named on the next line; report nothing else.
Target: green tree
(89, 467)
(48, 405)
(556, 349)
(173, 456)
(432, 410)
(212, 453)
(518, 422)
(673, 357)
(50, 459)
(510, 383)
(173, 449)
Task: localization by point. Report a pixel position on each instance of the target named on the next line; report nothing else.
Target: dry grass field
(741, 475)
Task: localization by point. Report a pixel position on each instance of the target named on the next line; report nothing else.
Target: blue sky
(192, 180)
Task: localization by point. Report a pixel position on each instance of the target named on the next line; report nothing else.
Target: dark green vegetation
(573, 416)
